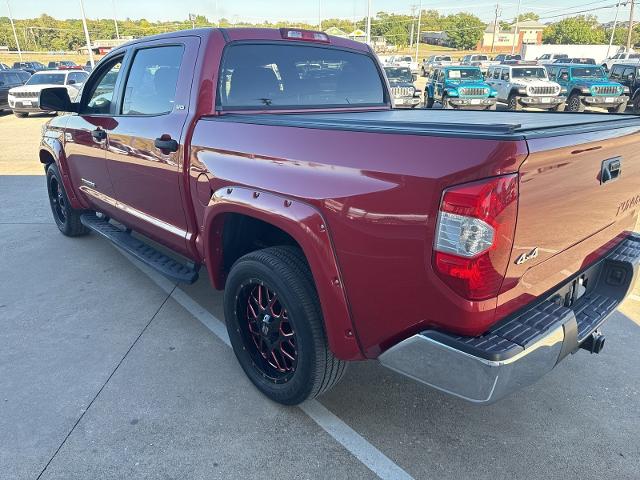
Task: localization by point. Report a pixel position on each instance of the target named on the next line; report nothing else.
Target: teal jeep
(588, 86)
(459, 87)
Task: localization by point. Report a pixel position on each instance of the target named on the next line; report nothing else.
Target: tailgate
(567, 211)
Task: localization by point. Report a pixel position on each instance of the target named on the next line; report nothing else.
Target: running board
(144, 252)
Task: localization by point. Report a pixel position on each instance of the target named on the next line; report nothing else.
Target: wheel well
(46, 158)
(242, 234)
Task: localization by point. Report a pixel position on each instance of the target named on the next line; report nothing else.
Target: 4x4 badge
(527, 256)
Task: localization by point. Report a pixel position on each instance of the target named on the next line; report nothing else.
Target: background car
(480, 61)
(403, 61)
(551, 58)
(8, 79)
(502, 57)
(404, 93)
(63, 65)
(459, 87)
(628, 75)
(525, 86)
(621, 57)
(580, 61)
(31, 67)
(26, 99)
(433, 62)
(588, 86)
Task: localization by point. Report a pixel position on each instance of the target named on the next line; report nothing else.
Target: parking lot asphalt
(107, 371)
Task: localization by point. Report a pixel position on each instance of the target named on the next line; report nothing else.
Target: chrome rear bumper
(518, 351)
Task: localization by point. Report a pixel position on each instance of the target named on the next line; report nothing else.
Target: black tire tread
(73, 227)
(331, 370)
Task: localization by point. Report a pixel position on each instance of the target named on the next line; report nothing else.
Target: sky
(301, 10)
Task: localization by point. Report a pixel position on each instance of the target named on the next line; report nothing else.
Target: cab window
(627, 72)
(99, 96)
(152, 81)
(505, 74)
(616, 72)
(496, 73)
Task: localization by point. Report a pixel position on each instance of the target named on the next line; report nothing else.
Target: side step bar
(144, 252)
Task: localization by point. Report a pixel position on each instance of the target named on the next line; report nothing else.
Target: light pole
(13, 27)
(115, 22)
(86, 34)
(613, 31)
(369, 22)
(319, 16)
(418, 32)
(516, 36)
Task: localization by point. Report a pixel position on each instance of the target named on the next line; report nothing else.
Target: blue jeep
(588, 86)
(459, 87)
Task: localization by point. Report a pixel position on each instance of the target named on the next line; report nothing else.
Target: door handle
(98, 134)
(166, 144)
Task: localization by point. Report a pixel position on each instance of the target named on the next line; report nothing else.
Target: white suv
(526, 86)
(623, 57)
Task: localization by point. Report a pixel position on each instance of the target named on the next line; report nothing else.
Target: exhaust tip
(594, 343)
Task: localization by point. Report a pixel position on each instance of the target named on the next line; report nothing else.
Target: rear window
(47, 78)
(276, 76)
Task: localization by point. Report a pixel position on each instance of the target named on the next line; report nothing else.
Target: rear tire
(512, 103)
(21, 114)
(66, 217)
(275, 325)
(574, 104)
(428, 103)
(445, 103)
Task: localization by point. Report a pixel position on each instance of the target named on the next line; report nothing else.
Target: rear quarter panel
(379, 194)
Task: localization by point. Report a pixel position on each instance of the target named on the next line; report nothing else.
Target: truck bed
(475, 124)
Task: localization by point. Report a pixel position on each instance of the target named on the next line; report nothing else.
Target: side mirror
(56, 99)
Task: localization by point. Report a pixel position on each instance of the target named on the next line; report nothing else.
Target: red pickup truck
(471, 251)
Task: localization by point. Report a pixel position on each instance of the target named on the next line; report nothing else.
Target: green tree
(527, 16)
(580, 30)
(464, 30)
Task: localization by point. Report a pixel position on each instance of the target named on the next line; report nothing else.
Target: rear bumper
(518, 351)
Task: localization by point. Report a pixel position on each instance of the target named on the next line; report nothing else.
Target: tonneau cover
(469, 123)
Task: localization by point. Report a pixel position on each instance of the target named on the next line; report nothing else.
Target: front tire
(512, 103)
(66, 217)
(636, 105)
(574, 104)
(445, 103)
(428, 103)
(275, 325)
(21, 114)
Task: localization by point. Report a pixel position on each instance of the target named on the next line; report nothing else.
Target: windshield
(46, 78)
(443, 59)
(588, 72)
(479, 58)
(464, 74)
(275, 76)
(405, 59)
(395, 73)
(533, 72)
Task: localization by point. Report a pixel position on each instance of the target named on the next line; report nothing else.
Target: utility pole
(411, 35)
(633, 4)
(516, 35)
(613, 31)
(13, 27)
(86, 34)
(418, 32)
(115, 22)
(192, 17)
(369, 22)
(495, 26)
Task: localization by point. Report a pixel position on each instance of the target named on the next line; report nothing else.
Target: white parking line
(352, 441)
(635, 297)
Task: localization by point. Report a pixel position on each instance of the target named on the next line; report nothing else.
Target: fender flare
(306, 225)
(53, 147)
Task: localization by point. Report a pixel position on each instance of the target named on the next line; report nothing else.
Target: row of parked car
(20, 90)
(33, 67)
(571, 87)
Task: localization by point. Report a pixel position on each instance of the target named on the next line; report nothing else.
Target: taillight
(474, 235)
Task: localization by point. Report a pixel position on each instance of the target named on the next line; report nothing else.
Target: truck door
(85, 136)
(145, 146)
